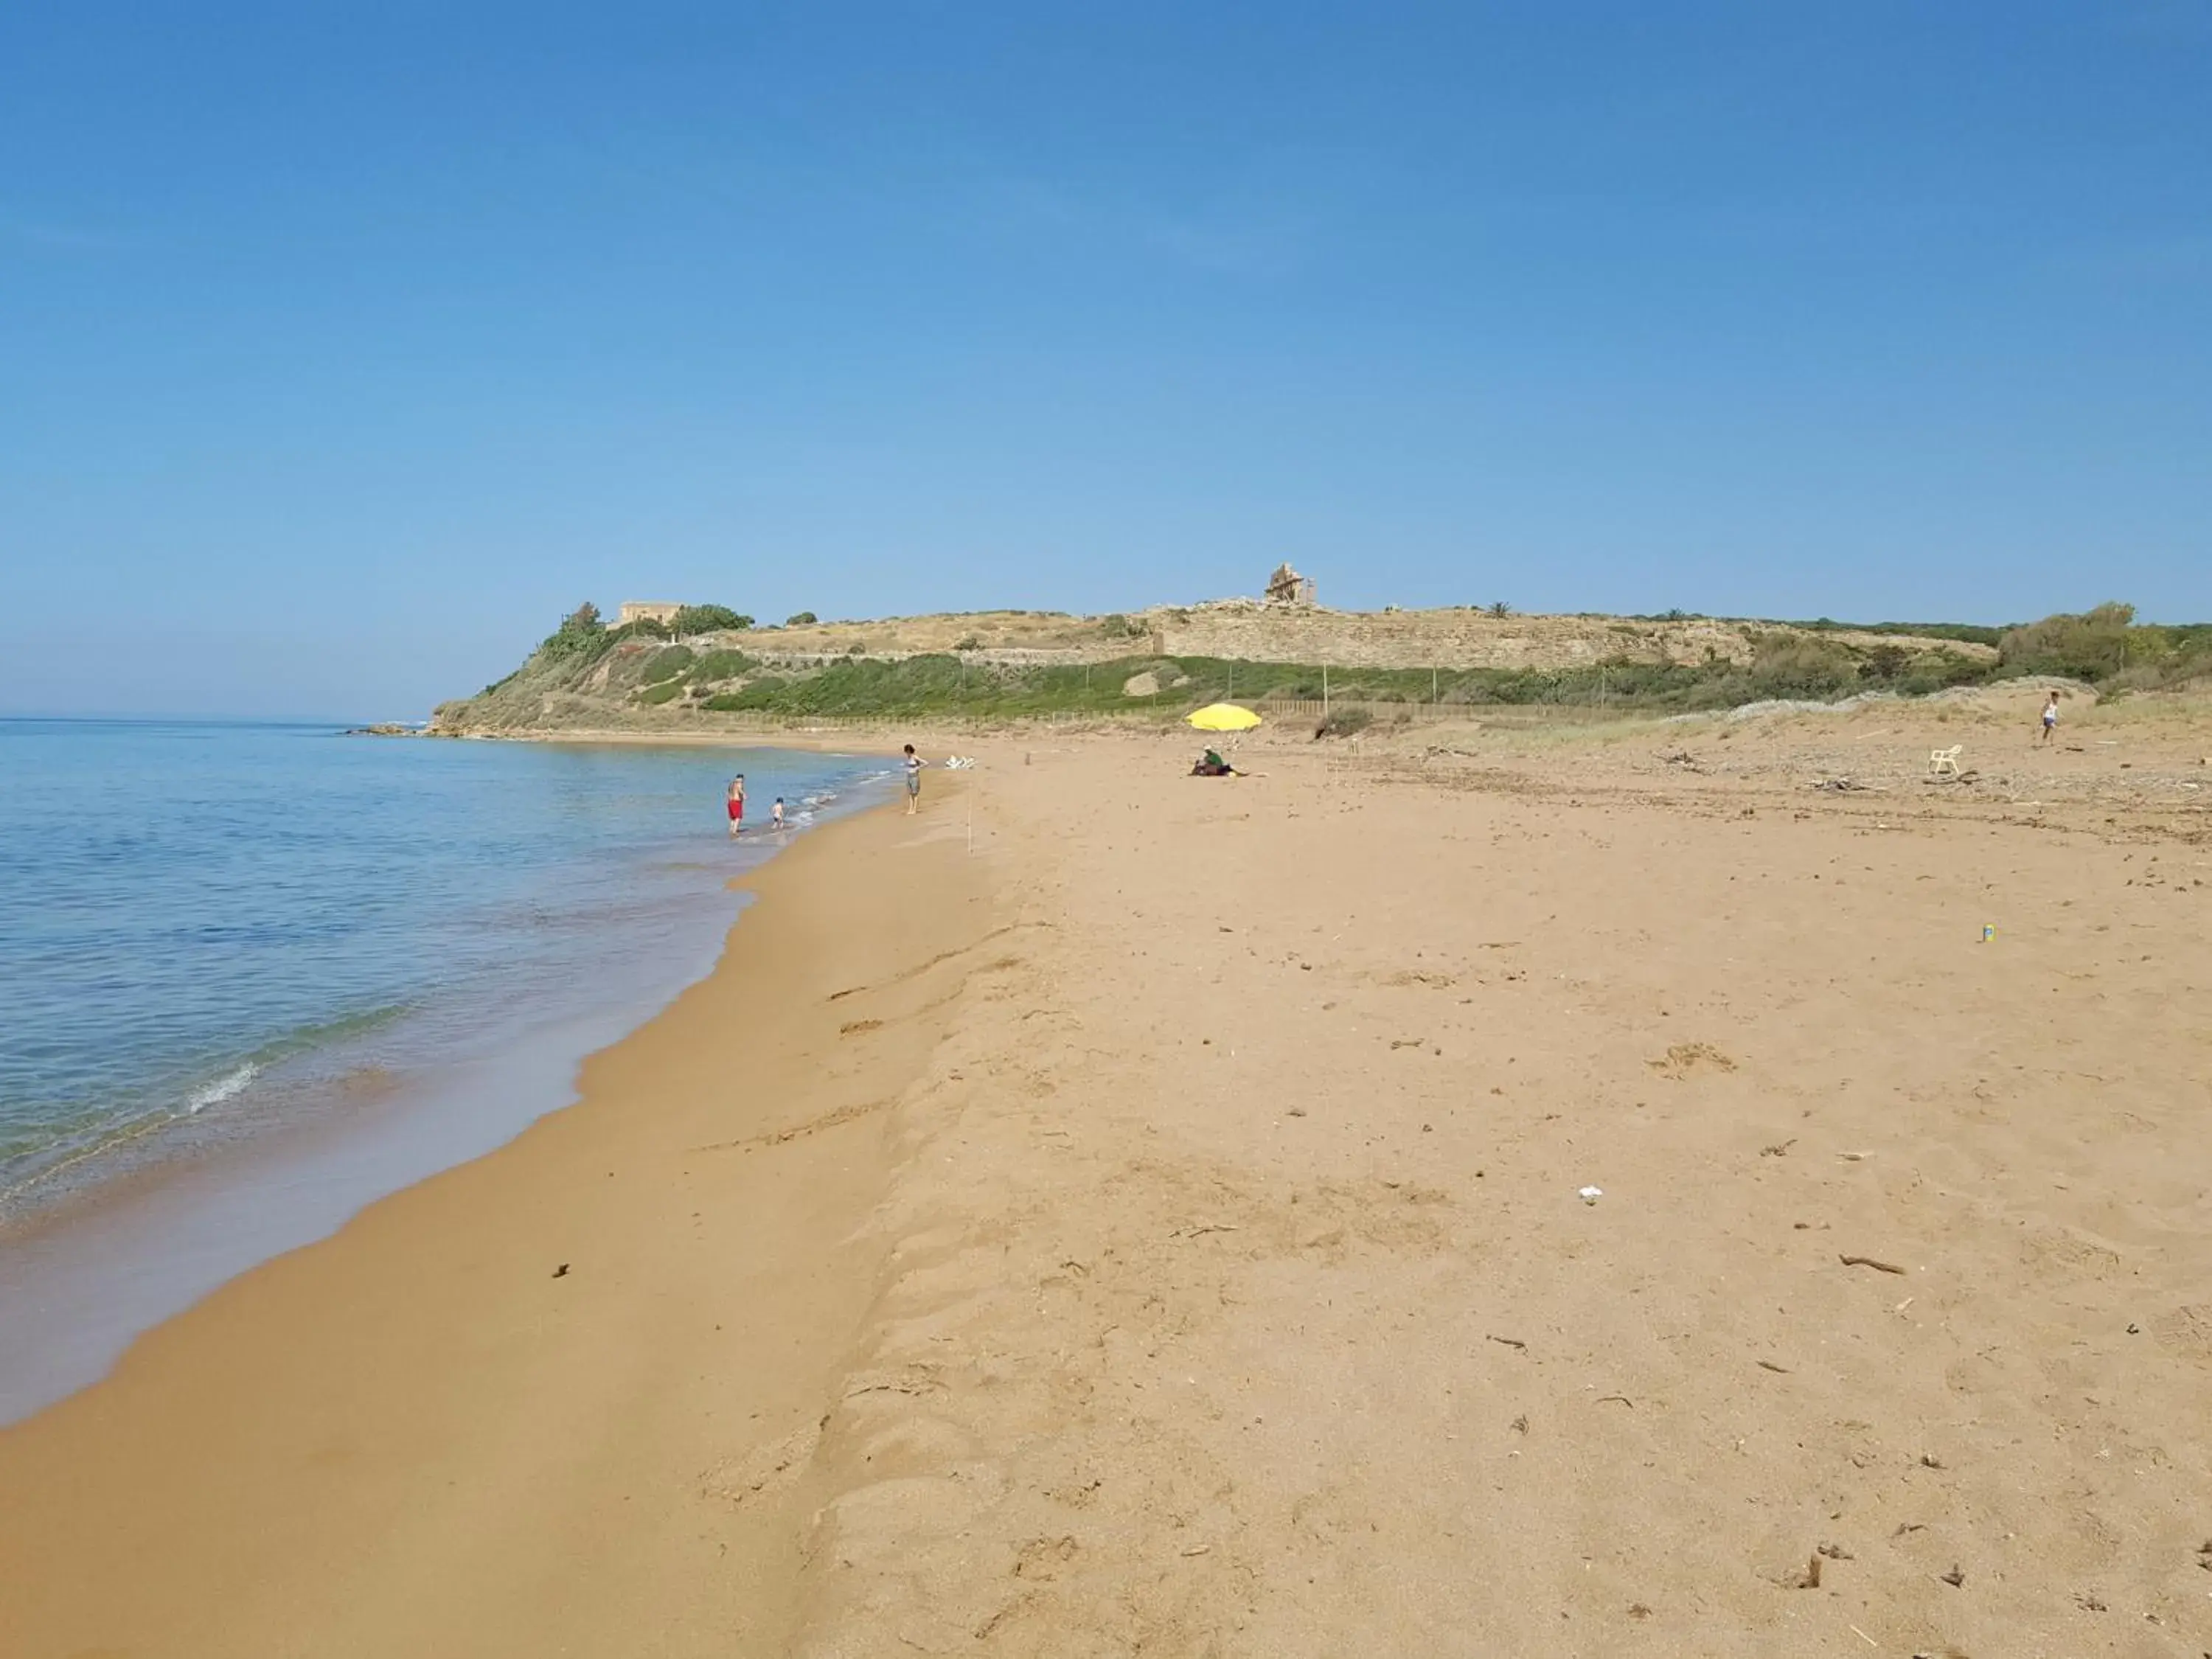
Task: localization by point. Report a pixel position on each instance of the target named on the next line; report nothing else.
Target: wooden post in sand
(1324, 691)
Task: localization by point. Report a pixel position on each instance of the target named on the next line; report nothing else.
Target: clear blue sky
(343, 348)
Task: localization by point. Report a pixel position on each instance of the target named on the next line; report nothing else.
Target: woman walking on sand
(737, 805)
(2050, 717)
(912, 781)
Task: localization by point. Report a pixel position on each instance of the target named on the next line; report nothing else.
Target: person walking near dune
(2050, 716)
(914, 764)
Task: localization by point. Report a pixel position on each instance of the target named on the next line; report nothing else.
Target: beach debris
(1769, 1365)
(561, 1272)
(1200, 1549)
(1903, 1527)
(1521, 1426)
(1638, 1610)
(1507, 1341)
(1779, 1149)
(1989, 932)
(1870, 1262)
(1840, 785)
(1928, 1463)
(1855, 1157)
(1810, 1578)
(1590, 1195)
(2088, 1600)
(1614, 1398)
(1204, 1228)
(1836, 1553)
(1955, 1577)
(1862, 1636)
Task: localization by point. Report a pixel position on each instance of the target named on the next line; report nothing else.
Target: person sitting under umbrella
(1210, 765)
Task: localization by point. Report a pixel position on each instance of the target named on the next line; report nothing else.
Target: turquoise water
(252, 977)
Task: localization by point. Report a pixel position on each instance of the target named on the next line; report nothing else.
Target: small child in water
(776, 814)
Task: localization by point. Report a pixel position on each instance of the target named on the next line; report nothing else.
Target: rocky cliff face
(1442, 639)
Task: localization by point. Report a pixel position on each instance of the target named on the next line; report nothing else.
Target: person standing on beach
(2050, 717)
(737, 805)
(912, 781)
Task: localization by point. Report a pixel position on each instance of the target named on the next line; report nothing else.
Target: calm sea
(219, 939)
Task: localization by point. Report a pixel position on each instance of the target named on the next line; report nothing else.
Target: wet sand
(413, 1438)
(1183, 1253)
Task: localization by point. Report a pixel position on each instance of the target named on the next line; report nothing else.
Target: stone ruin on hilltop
(1286, 586)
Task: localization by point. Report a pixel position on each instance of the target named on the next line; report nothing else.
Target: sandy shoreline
(412, 1437)
(296, 1123)
(1183, 1252)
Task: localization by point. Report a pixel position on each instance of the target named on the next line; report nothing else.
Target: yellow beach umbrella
(1223, 717)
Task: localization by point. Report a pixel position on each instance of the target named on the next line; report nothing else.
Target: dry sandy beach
(1123, 1213)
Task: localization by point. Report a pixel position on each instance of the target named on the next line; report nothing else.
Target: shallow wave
(223, 1089)
(179, 980)
(104, 1133)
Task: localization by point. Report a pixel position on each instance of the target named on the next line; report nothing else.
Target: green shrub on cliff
(708, 619)
(667, 662)
(581, 634)
(2086, 647)
(721, 665)
(666, 691)
(2107, 647)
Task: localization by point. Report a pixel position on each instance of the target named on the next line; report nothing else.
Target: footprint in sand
(1684, 1058)
(2186, 1331)
(763, 1470)
(1408, 978)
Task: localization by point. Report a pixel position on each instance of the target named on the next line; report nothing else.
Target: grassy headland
(647, 675)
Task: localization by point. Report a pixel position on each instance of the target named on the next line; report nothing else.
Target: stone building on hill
(646, 610)
(1286, 586)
